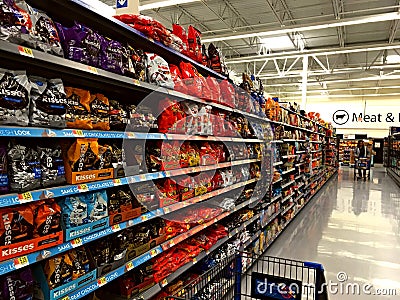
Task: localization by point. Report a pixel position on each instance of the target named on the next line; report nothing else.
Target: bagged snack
(100, 112)
(176, 43)
(158, 71)
(136, 63)
(16, 225)
(43, 31)
(48, 103)
(180, 32)
(120, 200)
(23, 167)
(78, 108)
(51, 164)
(177, 78)
(97, 205)
(118, 116)
(3, 169)
(16, 23)
(14, 97)
(58, 270)
(105, 157)
(74, 211)
(215, 92)
(83, 155)
(79, 261)
(81, 44)
(47, 217)
(172, 118)
(191, 79)
(111, 56)
(18, 285)
(141, 118)
(194, 42)
(227, 93)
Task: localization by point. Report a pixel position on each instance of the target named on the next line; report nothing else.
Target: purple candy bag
(19, 284)
(112, 56)
(80, 44)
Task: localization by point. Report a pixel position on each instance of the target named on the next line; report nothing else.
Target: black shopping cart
(362, 165)
(245, 277)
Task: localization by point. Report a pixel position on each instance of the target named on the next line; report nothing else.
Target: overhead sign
(122, 3)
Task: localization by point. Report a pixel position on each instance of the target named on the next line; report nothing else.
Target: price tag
(21, 262)
(83, 188)
(171, 243)
(167, 210)
(153, 253)
(135, 81)
(25, 51)
(194, 260)
(65, 298)
(130, 135)
(101, 281)
(76, 242)
(144, 218)
(116, 228)
(129, 266)
(25, 196)
(77, 133)
(164, 282)
(142, 177)
(92, 70)
(117, 182)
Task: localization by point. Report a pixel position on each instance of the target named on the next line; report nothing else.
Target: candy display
(83, 209)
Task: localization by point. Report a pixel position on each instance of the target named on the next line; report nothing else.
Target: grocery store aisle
(351, 227)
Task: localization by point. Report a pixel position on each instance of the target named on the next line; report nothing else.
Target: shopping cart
(362, 165)
(244, 277)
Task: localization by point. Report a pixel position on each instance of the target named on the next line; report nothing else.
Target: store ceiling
(344, 61)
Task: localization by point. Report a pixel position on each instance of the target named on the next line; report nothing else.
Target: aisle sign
(122, 3)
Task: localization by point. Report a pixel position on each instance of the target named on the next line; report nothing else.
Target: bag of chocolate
(100, 112)
(16, 225)
(78, 108)
(48, 103)
(52, 164)
(4, 188)
(74, 211)
(24, 169)
(83, 155)
(14, 98)
(58, 270)
(18, 285)
(47, 217)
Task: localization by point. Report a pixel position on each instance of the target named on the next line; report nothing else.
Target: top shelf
(64, 11)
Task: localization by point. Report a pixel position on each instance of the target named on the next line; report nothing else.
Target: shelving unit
(117, 85)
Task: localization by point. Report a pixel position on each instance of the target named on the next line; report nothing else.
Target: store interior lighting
(277, 42)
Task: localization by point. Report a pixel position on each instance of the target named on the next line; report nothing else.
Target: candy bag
(4, 188)
(177, 78)
(74, 211)
(78, 108)
(111, 56)
(16, 225)
(194, 41)
(51, 164)
(58, 270)
(48, 103)
(83, 155)
(158, 71)
(47, 217)
(14, 97)
(100, 112)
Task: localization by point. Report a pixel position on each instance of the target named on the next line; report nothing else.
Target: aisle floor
(352, 227)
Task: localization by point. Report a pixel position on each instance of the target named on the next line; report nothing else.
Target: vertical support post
(132, 7)
(304, 83)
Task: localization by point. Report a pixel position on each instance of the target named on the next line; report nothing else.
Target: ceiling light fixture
(277, 42)
(322, 25)
(165, 3)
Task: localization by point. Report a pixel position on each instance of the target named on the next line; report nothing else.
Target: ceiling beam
(317, 52)
(393, 28)
(315, 26)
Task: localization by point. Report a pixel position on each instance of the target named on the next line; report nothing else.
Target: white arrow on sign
(122, 3)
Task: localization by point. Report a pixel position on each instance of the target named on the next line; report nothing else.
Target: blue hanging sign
(122, 3)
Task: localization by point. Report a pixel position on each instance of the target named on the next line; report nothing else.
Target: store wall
(359, 116)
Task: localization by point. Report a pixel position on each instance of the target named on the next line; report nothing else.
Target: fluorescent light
(277, 42)
(393, 59)
(165, 3)
(321, 25)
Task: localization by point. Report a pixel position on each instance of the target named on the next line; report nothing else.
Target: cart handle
(314, 265)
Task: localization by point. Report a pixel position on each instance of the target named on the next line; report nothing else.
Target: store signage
(268, 287)
(341, 117)
(122, 3)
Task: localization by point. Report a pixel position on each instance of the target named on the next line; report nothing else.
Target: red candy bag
(215, 92)
(228, 93)
(191, 79)
(194, 41)
(177, 78)
(180, 32)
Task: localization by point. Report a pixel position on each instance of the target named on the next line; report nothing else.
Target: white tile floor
(351, 227)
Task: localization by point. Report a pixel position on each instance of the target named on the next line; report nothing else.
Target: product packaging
(100, 112)
(78, 108)
(158, 71)
(14, 98)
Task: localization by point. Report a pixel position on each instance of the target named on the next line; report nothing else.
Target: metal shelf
(287, 184)
(288, 171)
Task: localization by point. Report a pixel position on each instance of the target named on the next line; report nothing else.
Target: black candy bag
(52, 165)
(14, 98)
(23, 167)
(48, 103)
